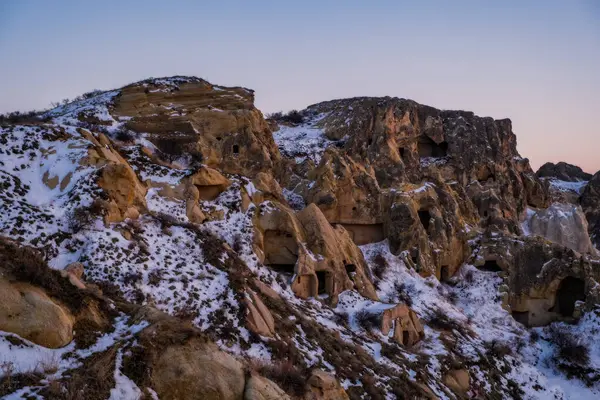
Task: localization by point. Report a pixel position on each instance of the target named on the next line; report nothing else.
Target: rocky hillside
(166, 241)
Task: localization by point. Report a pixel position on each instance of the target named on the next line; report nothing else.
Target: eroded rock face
(544, 281)
(563, 171)
(408, 329)
(387, 147)
(564, 224)
(126, 194)
(185, 115)
(323, 259)
(590, 202)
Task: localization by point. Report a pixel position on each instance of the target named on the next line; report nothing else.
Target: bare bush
(367, 320)
(403, 292)
(570, 348)
(380, 265)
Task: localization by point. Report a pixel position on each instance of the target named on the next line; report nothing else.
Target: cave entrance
(402, 152)
(365, 233)
(322, 278)
(521, 317)
(570, 291)
(405, 337)
(444, 273)
(424, 217)
(490, 266)
(428, 148)
(350, 270)
(236, 149)
(281, 251)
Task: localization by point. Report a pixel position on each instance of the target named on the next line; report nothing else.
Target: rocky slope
(164, 240)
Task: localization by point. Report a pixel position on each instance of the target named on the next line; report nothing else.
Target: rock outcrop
(564, 224)
(590, 202)
(184, 115)
(460, 172)
(322, 259)
(563, 171)
(544, 281)
(28, 312)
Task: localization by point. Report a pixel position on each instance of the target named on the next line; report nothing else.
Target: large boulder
(184, 366)
(27, 311)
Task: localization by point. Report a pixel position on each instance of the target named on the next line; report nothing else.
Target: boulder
(258, 318)
(260, 388)
(197, 370)
(27, 311)
(209, 182)
(458, 380)
(323, 386)
(408, 329)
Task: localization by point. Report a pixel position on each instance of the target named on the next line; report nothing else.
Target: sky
(535, 62)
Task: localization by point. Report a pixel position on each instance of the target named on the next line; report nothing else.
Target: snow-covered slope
(185, 269)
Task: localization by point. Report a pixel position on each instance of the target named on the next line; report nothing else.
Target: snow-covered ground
(303, 141)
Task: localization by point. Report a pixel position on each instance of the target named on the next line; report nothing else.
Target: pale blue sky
(536, 62)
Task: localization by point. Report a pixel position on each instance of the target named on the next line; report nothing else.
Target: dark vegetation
(91, 381)
(367, 320)
(570, 348)
(28, 117)
(292, 117)
(11, 381)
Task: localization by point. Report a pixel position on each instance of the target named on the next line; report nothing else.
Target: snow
(125, 388)
(566, 186)
(303, 141)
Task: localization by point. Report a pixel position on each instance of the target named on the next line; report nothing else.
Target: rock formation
(563, 171)
(360, 248)
(590, 202)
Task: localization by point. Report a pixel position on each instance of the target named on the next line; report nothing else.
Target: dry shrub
(367, 320)
(380, 265)
(570, 348)
(403, 291)
(91, 381)
(11, 381)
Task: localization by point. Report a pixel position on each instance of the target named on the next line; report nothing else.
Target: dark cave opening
(321, 282)
(490, 266)
(444, 273)
(424, 217)
(570, 291)
(428, 148)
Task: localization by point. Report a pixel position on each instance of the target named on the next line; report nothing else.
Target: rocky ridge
(179, 245)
